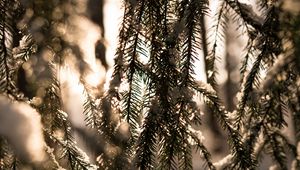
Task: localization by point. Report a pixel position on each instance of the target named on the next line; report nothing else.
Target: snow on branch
(21, 125)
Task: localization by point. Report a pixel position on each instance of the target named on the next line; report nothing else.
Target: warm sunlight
(149, 84)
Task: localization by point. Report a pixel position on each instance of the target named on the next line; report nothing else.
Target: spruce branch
(246, 12)
(203, 150)
(135, 48)
(217, 37)
(270, 46)
(91, 111)
(275, 148)
(242, 156)
(146, 145)
(7, 66)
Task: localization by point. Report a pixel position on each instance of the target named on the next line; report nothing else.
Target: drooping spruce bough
(147, 117)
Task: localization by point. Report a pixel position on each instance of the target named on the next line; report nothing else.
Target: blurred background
(86, 35)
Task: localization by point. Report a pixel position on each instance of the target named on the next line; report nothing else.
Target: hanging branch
(147, 141)
(247, 14)
(242, 157)
(124, 33)
(119, 68)
(134, 49)
(164, 88)
(217, 37)
(193, 12)
(92, 117)
(9, 10)
(51, 110)
(5, 154)
(271, 47)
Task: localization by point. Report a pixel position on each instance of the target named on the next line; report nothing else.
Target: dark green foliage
(148, 118)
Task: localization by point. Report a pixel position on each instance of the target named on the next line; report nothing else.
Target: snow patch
(21, 125)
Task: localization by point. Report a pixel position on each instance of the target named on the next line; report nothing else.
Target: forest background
(186, 84)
